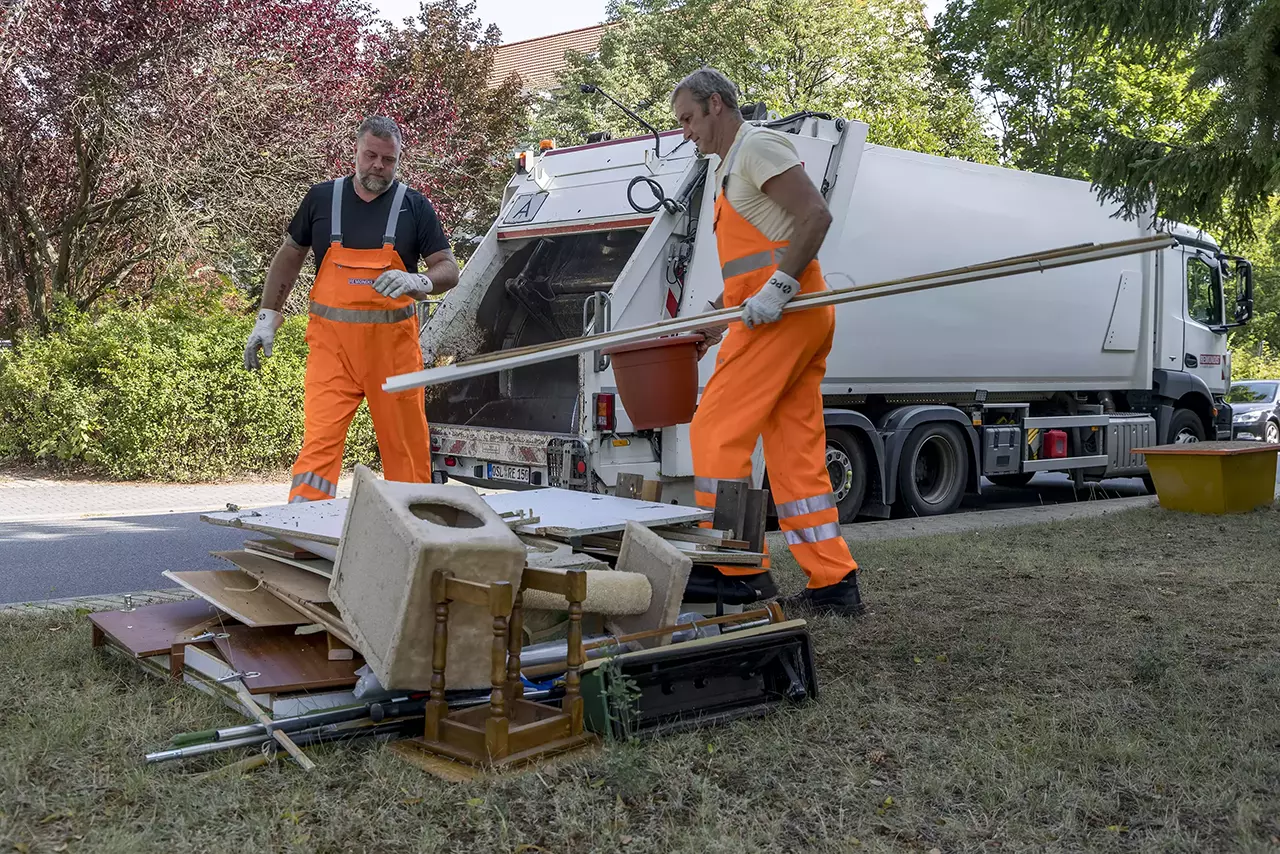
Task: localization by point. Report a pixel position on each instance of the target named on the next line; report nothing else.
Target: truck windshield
(1252, 392)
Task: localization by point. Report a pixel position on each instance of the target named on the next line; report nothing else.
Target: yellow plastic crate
(1213, 477)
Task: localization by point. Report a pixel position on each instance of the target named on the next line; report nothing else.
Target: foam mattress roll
(609, 592)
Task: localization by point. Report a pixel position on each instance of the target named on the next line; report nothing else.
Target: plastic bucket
(658, 379)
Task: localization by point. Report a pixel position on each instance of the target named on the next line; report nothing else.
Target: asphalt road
(87, 557)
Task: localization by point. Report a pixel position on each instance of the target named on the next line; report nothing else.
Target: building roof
(538, 61)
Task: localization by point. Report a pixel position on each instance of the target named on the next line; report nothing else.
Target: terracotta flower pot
(658, 379)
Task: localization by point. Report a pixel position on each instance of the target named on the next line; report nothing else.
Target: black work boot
(842, 598)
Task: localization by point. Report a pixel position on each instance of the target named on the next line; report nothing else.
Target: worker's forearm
(444, 275)
(281, 277)
(806, 240)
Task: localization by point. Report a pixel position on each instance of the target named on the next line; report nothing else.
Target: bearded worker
(770, 221)
(368, 232)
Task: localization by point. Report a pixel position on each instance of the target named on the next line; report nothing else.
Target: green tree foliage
(860, 59)
(1224, 166)
(1058, 99)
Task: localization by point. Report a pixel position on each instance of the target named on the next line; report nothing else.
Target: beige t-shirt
(761, 154)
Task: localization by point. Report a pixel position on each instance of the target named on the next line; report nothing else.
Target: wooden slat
(755, 511)
(536, 354)
(240, 595)
(279, 548)
(651, 490)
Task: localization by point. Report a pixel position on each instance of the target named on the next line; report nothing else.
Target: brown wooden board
(151, 629)
(731, 496)
(279, 548)
(629, 486)
(320, 566)
(285, 661)
(240, 595)
(281, 577)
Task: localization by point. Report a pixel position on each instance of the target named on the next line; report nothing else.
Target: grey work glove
(262, 337)
(394, 284)
(766, 306)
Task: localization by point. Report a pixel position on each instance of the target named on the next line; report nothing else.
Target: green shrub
(1247, 365)
(160, 392)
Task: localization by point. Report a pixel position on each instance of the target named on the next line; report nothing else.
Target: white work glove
(394, 284)
(766, 305)
(262, 337)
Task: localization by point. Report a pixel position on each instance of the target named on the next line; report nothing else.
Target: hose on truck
(671, 205)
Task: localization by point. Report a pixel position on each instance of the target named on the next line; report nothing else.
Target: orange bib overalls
(768, 381)
(357, 338)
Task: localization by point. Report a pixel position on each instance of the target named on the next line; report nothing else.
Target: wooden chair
(510, 730)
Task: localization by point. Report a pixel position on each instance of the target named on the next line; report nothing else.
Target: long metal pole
(522, 357)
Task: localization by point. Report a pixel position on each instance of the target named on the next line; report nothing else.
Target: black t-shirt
(418, 231)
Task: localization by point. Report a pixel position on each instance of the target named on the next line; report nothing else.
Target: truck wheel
(1185, 427)
(934, 469)
(1012, 481)
(847, 468)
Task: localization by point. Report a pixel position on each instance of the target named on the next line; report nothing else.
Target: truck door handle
(1190, 361)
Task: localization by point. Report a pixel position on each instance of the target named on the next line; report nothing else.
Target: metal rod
(536, 354)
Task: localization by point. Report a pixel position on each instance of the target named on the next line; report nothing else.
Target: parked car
(1255, 410)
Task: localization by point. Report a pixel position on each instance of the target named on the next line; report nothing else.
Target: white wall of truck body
(1121, 326)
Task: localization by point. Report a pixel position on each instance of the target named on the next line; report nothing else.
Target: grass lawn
(1106, 685)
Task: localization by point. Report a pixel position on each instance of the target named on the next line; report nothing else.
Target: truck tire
(934, 469)
(847, 468)
(1012, 481)
(1185, 427)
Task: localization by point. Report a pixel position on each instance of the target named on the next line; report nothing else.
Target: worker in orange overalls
(368, 232)
(770, 221)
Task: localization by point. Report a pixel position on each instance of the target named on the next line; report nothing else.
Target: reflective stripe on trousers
(316, 482)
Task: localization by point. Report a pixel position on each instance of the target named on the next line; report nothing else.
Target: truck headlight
(1248, 417)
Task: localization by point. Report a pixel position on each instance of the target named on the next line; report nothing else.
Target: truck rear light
(435, 444)
(606, 417)
(581, 467)
(1055, 445)
(450, 462)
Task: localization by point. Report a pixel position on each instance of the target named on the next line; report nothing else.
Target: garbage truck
(927, 395)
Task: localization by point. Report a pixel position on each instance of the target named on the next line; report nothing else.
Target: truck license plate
(517, 474)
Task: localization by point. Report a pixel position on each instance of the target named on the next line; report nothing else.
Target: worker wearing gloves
(770, 221)
(368, 232)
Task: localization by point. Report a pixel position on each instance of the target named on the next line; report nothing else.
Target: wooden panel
(240, 595)
(731, 496)
(280, 576)
(651, 490)
(285, 661)
(629, 486)
(566, 513)
(151, 629)
(279, 548)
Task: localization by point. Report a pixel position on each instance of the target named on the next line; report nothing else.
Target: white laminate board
(560, 513)
(566, 513)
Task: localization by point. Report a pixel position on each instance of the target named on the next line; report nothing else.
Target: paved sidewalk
(29, 500)
(112, 602)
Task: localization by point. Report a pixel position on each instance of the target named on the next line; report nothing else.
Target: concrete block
(395, 536)
(667, 569)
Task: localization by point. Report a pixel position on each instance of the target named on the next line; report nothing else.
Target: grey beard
(373, 183)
